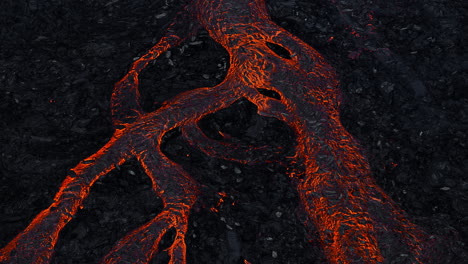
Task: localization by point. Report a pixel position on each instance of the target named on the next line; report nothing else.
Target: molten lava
(286, 79)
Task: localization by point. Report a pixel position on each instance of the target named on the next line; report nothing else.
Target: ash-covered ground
(403, 72)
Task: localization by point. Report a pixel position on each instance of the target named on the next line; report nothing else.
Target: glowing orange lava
(351, 213)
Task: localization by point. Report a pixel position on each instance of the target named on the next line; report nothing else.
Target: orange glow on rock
(340, 198)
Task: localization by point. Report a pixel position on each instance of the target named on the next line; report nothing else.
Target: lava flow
(353, 216)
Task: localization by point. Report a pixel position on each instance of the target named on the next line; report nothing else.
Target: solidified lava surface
(60, 59)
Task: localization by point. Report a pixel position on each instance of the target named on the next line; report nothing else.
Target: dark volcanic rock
(405, 99)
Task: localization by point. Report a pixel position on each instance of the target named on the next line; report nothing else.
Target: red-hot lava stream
(351, 213)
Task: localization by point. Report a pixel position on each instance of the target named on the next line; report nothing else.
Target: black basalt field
(402, 66)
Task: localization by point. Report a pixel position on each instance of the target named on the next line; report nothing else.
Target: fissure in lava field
(247, 162)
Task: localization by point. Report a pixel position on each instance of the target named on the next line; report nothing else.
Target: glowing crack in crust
(349, 211)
